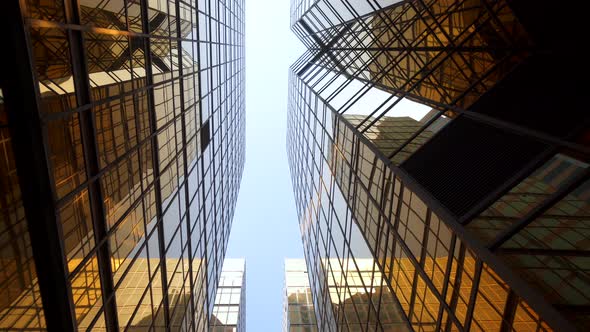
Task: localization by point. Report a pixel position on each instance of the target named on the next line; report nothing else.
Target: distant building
(229, 312)
(298, 310)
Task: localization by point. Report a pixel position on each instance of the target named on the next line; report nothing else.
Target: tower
(123, 149)
(424, 138)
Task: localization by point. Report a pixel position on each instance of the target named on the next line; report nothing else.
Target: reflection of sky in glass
(187, 46)
(374, 98)
(368, 99)
(358, 245)
(340, 7)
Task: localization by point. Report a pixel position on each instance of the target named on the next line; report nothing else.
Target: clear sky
(265, 229)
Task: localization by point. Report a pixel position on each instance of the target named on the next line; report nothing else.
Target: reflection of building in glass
(481, 43)
(351, 290)
(428, 162)
(122, 136)
(229, 312)
(298, 312)
(389, 133)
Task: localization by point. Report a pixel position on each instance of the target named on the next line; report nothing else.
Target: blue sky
(265, 229)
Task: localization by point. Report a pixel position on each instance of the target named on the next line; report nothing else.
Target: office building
(122, 130)
(298, 310)
(441, 147)
(229, 312)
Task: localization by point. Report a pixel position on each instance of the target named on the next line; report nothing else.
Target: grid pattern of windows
(355, 211)
(348, 290)
(229, 312)
(19, 291)
(442, 54)
(298, 311)
(383, 87)
(140, 106)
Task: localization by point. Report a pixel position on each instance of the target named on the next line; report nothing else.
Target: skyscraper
(298, 310)
(441, 148)
(229, 312)
(122, 152)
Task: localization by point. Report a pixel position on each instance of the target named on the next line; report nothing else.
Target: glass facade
(229, 312)
(298, 310)
(123, 141)
(427, 169)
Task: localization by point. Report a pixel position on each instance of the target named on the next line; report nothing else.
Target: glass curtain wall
(229, 312)
(140, 106)
(382, 83)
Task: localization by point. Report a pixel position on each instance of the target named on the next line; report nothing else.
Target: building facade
(123, 139)
(298, 310)
(229, 312)
(439, 153)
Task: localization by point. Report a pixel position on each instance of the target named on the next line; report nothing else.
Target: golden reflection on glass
(51, 10)
(77, 229)
(528, 194)
(66, 154)
(178, 290)
(121, 186)
(389, 133)
(442, 25)
(52, 66)
(490, 303)
(120, 120)
(125, 241)
(20, 298)
(355, 288)
(299, 314)
(418, 284)
(110, 15)
(134, 292)
(563, 227)
(86, 292)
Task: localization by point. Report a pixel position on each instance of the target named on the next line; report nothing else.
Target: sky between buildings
(265, 227)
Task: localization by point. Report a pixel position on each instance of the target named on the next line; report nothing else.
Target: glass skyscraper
(229, 312)
(439, 158)
(298, 310)
(122, 136)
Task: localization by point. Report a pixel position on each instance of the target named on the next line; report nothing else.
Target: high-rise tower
(122, 130)
(229, 312)
(443, 144)
(298, 311)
